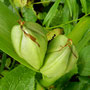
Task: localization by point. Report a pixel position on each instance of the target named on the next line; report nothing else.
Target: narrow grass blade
(73, 8)
(51, 12)
(70, 8)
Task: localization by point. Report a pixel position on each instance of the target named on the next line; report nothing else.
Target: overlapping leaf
(21, 78)
(7, 21)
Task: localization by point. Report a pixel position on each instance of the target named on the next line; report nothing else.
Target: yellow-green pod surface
(61, 58)
(30, 44)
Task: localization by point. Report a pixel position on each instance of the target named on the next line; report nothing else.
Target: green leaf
(39, 87)
(84, 79)
(61, 17)
(7, 21)
(57, 19)
(1, 0)
(79, 30)
(6, 2)
(42, 15)
(29, 14)
(73, 8)
(21, 78)
(83, 84)
(88, 6)
(69, 5)
(65, 79)
(84, 61)
(83, 42)
(3, 61)
(4, 73)
(84, 5)
(77, 86)
(66, 18)
(51, 13)
(8, 63)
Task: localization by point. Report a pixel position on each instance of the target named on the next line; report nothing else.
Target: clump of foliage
(44, 44)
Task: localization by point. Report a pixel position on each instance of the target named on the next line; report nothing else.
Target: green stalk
(71, 21)
(79, 30)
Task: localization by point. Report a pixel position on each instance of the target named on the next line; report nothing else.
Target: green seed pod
(30, 43)
(20, 3)
(60, 59)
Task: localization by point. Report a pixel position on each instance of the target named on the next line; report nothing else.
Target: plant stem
(61, 25)
(42, 2)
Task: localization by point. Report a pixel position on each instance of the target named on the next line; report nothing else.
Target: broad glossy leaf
(20, 78)
(84, 61)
